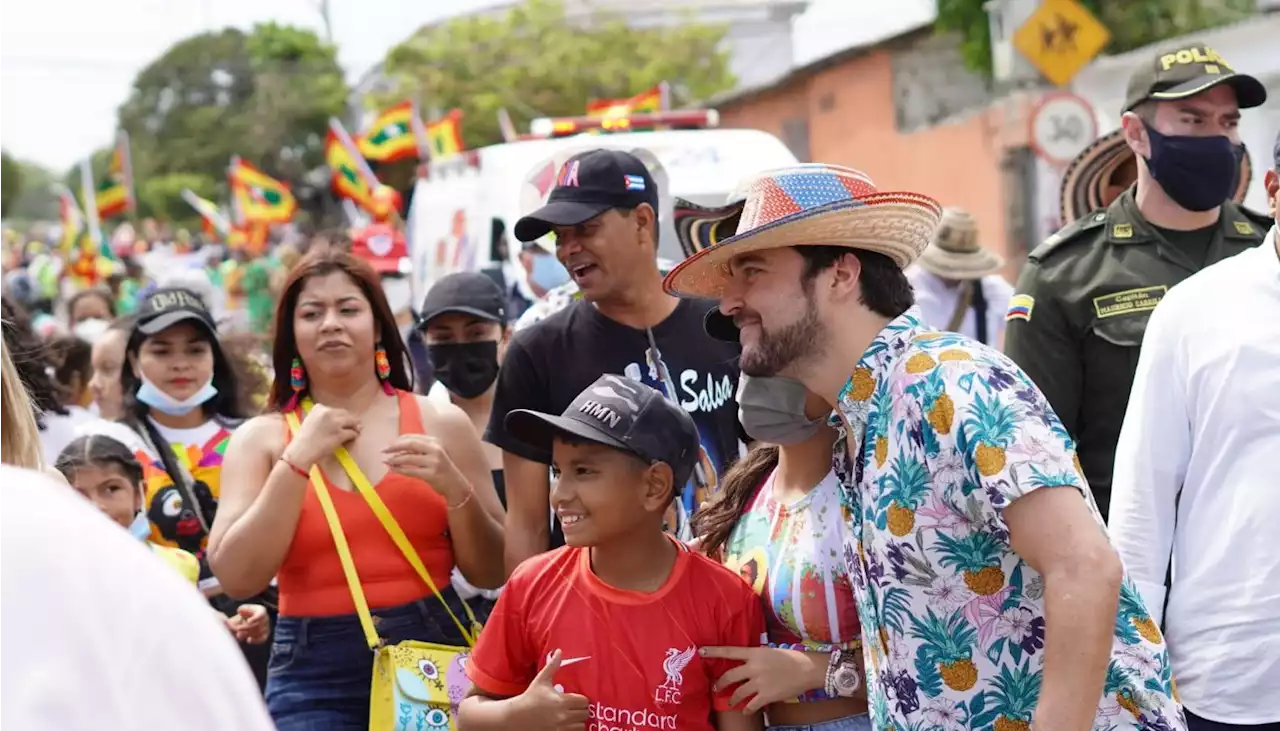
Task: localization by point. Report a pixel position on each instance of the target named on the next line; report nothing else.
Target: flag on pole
(71, 218)
(349, 183)
(646, 102)
(259, 197)
(445, 135)
(391, 136)
(209, 212)
(506, 126)
(114, 194)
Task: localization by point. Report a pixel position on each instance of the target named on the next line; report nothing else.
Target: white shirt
(937, 299)
(99, 635)
(1204, 421)
(61, 430)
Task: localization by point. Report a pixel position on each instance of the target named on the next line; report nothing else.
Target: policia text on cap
(1077, 318)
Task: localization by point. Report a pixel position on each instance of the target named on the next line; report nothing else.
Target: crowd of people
(830, 472)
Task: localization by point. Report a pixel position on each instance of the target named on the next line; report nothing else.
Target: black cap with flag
(587, 185)
(1186, 71)
(621, 413)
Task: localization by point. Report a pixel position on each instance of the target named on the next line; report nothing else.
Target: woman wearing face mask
(780, 523)
(181, 403)
(340, 370)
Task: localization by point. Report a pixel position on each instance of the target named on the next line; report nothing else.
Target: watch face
(846, 678)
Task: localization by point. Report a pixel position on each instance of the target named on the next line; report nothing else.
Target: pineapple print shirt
(946, 433)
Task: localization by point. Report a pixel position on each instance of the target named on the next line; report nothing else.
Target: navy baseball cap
(587, 185)
(720, 326)
(465, 293)
(621, 413)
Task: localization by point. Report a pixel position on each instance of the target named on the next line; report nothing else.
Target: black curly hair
(32, 360)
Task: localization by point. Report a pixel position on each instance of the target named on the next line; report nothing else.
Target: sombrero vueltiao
(812, 205)
(701, 227)
(955, 252)
(1091, 178)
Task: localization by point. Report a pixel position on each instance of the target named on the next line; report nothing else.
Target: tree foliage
(1133, 24)
(266, 96)
(10, 181)
(36, 199)
(534, 61)
(160, 196)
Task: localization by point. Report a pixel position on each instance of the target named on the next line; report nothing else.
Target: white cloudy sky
(65, 65)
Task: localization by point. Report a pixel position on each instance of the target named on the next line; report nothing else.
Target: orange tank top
(311, 581)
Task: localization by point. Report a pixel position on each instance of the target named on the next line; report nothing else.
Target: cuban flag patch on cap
(635, 182)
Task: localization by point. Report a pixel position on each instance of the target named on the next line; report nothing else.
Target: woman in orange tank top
(337, 343)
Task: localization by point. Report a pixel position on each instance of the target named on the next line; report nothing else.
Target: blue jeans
(861, 722)
(321, 667)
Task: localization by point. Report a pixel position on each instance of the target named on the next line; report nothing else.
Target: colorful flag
(252, 237)
(348, 181)
(391, 137)
(214, 220)
(445, 135)
(114, 193)
(646, 102)
(259, 197)
(71, 218)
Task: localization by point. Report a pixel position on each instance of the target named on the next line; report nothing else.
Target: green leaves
(534, 62)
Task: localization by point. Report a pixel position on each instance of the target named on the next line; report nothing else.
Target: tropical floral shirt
(946, 433)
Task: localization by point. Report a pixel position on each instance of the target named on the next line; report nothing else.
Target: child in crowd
(103, 470)
(605, 632)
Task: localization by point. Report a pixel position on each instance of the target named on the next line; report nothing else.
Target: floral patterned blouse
(950, 433)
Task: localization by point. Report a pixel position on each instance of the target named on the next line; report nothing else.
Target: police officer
(1076, 321)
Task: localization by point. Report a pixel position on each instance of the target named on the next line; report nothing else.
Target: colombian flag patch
(1020, 306)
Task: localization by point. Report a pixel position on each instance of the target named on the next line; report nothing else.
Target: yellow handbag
(417, 686)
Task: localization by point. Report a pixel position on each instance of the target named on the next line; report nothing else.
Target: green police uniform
(1077, 319)
(1081, 308)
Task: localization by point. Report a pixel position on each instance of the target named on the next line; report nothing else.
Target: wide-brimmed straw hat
(812, 205)
(1093, 173)
(701, 227)
(955, 253)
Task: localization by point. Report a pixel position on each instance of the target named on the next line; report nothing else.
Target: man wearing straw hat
(985, 582)
(1083, 299)
(956, 284)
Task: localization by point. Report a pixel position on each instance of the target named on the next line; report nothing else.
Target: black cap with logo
(587, 185)
(1186, 71)
(465, 293)
(621, 413)
(164, 308)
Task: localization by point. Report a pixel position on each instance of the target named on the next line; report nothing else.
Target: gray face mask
(771, 410)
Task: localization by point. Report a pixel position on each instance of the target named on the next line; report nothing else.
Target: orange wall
(957, 162)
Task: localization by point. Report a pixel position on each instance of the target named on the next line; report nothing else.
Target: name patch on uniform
(1020, 307)
(1129, 301)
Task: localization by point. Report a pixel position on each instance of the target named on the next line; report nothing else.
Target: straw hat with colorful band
(701, 227)
(1090, 182)
(812, 205)
(954, 252)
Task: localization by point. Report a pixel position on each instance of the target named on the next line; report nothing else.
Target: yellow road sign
(1060, 38)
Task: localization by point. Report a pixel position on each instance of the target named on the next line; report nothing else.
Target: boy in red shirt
(604, 632)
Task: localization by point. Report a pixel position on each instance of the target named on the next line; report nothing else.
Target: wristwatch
(843, 676)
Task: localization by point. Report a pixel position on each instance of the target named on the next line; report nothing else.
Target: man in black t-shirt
(603, 212)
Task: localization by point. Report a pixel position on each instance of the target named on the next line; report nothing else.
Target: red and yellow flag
(259, 197)
(391, 137)
(251, 236)
(114, 194)
(646, 102)
(445, 135)
(345, 170)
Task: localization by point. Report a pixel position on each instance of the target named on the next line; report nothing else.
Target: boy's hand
(544, 706)
(768, 675)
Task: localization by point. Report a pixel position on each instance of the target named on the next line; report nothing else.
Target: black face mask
(1198, 173)
(466, 369)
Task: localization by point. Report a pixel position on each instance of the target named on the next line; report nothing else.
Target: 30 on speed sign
(1062, 125)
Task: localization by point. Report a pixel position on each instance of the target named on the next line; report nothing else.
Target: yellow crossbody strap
(379, 508)
(340, 542)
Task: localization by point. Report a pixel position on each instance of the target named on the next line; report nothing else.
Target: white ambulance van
(455, 211)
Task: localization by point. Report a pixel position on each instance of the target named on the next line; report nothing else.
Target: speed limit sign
(1062, 125)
